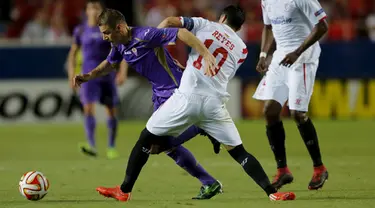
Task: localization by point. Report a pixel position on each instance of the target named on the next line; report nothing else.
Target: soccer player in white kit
(201, 96)
(294, 27)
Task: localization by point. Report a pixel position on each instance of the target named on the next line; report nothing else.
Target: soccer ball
(33, 185)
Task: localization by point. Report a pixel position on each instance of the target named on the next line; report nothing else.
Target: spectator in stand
(370, 24)
(187, 9)
(36, 29)
(159, 12)
(58, 31)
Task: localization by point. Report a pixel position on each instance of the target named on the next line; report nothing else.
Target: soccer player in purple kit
(88, 38)
(143, 49)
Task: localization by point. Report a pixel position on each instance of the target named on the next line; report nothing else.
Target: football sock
(185, 159)
(276, 139)
(309, 136)
(253, 168)
(112, 131)
(90, 124)
(138, 158)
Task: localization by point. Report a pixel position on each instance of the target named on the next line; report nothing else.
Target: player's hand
(179, 64)
(120, 79)
(262, 65)
(79, 79)
(210, 67)
(289, 59)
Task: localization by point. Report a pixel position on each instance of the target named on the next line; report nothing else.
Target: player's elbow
(323, 26)
(172, 22)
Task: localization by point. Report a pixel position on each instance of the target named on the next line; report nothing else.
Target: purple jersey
(147, 55)
(94, 48)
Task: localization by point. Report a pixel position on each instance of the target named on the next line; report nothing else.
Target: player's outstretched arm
(189, 39)
(122, 74)
(171, 22)
(316, 34)
(103, 69)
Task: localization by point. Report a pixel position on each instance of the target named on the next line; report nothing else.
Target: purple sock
(187, 135)
(112, 131)
(185, 159)
(90, 124)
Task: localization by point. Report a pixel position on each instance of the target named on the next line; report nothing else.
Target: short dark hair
(110, 17)
(96, 1)
(235, 16)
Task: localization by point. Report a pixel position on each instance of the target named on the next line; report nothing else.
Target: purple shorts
(158, 101)
(102, 91)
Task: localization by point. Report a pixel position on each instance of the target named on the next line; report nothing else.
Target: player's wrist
(299, 51)
(89, 76)
(263, 55)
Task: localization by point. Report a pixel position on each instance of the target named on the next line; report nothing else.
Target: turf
(347, 146)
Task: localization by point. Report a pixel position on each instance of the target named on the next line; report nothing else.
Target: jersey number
(208, 42)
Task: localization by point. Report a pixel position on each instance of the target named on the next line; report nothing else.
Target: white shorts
(183, 110)
(294, 84)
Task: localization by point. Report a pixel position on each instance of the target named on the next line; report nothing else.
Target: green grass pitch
(347, 148)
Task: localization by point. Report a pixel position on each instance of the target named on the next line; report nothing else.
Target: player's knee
(156, 144)
(299, 116)
(271, 111)
(237, 153)
(89, 109)
(111, 111)
(228, 147)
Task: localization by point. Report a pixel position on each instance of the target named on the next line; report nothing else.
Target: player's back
(228, 48)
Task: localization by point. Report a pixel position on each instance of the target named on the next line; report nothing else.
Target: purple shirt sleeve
(160, 37)
(77, 35)
(114, 56)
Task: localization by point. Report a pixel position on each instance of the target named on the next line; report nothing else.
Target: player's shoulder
(79, 29)
(143, 33)
(240, 45)
(206, 21)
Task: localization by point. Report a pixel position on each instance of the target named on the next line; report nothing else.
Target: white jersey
(292, 21)
(228, 48)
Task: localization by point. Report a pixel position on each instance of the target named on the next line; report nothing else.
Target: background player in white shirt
(295, 26)
(200, 98)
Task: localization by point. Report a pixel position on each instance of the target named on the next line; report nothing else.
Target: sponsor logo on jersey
(282, 20)
(134, 50)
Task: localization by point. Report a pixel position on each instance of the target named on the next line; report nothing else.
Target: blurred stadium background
(35, 36)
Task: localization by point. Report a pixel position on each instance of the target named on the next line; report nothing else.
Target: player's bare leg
(112, 132)
(310, 138)
(276, 138)
(255, 170)
(89, 148)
